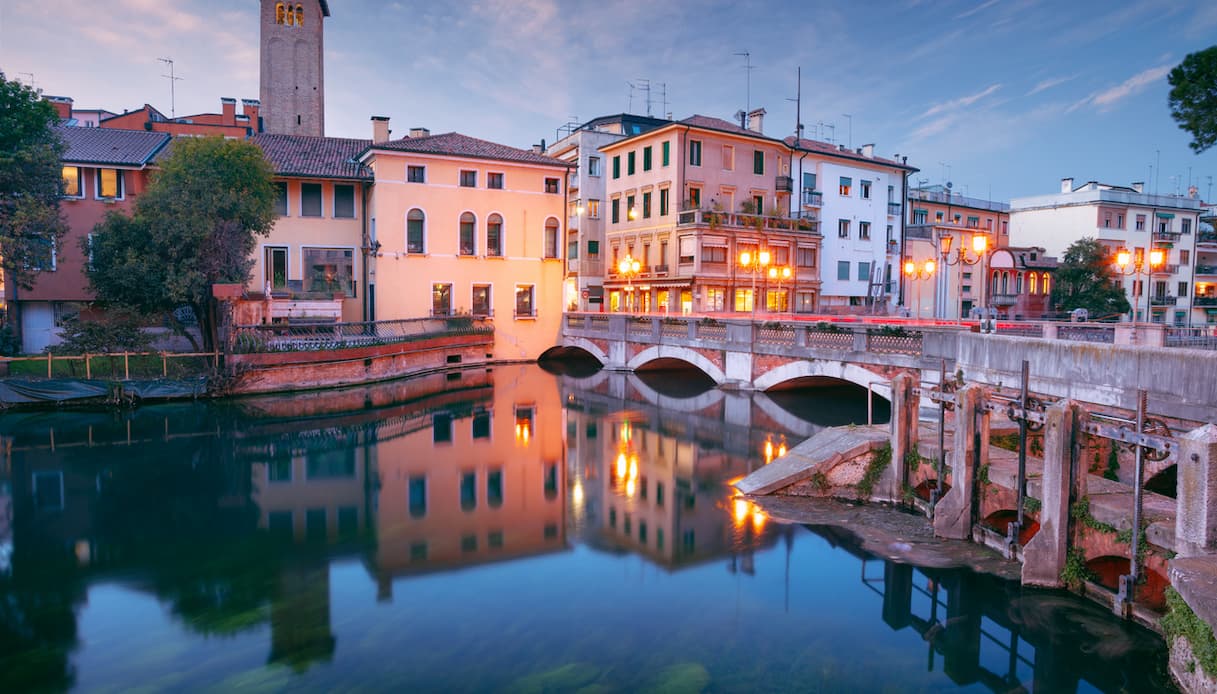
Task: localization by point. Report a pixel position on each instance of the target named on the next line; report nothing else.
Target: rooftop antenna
(29, 79)
(850, 116)
(1209, 198)
(663, 96)
(798, 103)
(630, 108)
(748, 68)
(645, 86)
(1158, 168)
(946, 170)
(172, 79)
(831, 138)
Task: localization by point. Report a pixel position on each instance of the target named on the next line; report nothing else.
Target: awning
(1165, 215)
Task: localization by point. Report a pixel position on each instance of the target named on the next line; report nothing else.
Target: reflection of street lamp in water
(629, 268)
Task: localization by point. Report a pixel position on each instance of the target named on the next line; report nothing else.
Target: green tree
(195, 226)
(1193, 97)
(31, 182)
(1084, 280)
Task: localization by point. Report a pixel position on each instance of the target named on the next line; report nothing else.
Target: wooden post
(48, 364)
(127, 366)
(164, 365)
(88, 367)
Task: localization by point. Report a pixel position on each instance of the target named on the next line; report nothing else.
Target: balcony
(659, 270)
(1161, 300)
(1004, 299)
(893, 209)
(1205, 301)
(812, 198)
(1207, 238)
(784, 184)
(732, 220)
(1206, 269)
(1166, 236)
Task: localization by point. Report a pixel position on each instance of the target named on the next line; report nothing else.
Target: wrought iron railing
(289, 337)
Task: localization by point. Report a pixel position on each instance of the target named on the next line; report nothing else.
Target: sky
(1001, 97)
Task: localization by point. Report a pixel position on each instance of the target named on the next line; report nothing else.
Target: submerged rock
(567, 678)
(684, 678)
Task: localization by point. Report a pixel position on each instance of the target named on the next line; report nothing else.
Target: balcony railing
(812, 197)
(893, 209)
(660, 270)
(1205, 301)
(1209, 237)
(1206, 269)
(746, 221)
(783, 184)
(1167, 236)
(1004, 299)
(1162, 300)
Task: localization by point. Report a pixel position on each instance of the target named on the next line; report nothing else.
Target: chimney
(62, 104)
(868, 151)
(1193, 192)
(420, 132)
(228, 110)
(380, 129)
(251, 107)
(1066, 185)
(756, 120)
(537, 149)
(1139, 186)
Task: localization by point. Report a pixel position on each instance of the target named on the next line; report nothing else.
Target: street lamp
(924, 272)
(1133, 264)
(979, 243)
(629, 268)
(754, 263)
(779, 275)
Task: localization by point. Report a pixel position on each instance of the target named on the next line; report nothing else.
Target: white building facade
(857, 199)
(1128, 218)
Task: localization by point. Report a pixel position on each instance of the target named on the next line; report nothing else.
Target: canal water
(507, 530)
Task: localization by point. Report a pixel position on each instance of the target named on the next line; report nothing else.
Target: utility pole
(172, 79)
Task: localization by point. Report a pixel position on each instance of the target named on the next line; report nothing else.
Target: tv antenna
(29, 79)
(173, 78)
(748, 68)
(645, 86)
(850, 116)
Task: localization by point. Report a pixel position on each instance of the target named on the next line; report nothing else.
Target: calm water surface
(507, 531)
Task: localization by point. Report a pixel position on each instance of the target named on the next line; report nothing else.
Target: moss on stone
(879, 460)
(1180, 621)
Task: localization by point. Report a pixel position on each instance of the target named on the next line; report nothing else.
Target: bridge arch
(684, 354)
(807, 368)
(577, 343)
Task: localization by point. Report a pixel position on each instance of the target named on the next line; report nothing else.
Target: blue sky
(1003, 97)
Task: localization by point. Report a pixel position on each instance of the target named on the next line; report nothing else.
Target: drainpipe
(367, 252)
(904, 195)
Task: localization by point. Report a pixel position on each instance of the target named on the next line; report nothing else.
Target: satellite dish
(948, 185)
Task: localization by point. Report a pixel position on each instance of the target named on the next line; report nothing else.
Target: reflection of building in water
(475, 482)
(300, 632)
(310, 485)
(667, 498)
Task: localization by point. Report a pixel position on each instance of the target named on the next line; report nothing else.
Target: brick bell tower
(293, 67)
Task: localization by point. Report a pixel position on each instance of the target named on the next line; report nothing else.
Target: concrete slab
(1196, 580)
(825, 449)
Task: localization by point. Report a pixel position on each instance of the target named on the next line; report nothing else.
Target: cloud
(1108, 98)
(961, 102)
(1049, 84)
(979, 8)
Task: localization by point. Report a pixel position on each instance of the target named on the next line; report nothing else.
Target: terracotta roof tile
(699, 121)
(458, 145)
(314, 157)
(110, 146)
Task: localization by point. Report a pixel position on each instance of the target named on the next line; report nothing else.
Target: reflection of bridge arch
(573, 343)
(779, 414)
(684, 354)
(697, 403)
(808, 368)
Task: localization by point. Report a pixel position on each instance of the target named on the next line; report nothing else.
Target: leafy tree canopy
(195, 226)
(1084, 280)
(30, 181)
(1193, 97)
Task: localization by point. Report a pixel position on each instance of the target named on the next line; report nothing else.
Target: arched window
(299, 15)
(1018, 283)
(1005, 282)
(1046, 288)
(1034, 279)
(467, 243)
(280, 13)
(415, 232)
(551, 238)
(494, 236)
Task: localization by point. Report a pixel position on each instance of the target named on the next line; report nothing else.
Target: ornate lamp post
(924, 272)
(754, 263)
(1130, 264)
(779, 275)
(962, 258)
(629, 268)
